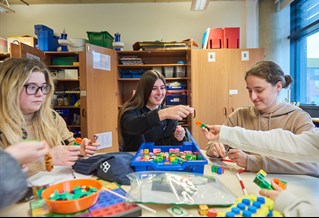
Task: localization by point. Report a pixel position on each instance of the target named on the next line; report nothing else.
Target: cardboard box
(29, 40)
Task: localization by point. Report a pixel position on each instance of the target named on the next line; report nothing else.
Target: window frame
(300, 29)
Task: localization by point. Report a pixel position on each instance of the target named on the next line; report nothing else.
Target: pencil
(241, 184)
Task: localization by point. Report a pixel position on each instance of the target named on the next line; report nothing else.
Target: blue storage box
(47, 41)
(193, 165)
(176, 99)
(125, 74)
(176, 86)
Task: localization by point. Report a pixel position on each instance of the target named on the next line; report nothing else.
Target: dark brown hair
(271, 72)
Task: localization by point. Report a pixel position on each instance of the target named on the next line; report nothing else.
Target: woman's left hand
(238, 156)
(90, 148)
(179, 133)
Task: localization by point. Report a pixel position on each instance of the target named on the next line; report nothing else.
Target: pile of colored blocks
(173, 156)
(218, 169)
(76, 193)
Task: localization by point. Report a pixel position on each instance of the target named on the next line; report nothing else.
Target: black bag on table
(112, 167)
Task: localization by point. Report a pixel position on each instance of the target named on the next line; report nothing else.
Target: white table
(300, 185)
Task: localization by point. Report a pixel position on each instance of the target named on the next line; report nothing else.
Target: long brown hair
(140, 97)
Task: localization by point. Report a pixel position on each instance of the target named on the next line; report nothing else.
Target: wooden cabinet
(218, 84)
(174, 64)
(95, 88)
(65, 70)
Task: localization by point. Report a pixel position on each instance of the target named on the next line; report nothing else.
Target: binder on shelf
(205, 38)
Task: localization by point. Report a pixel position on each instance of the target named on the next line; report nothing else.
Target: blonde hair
(14, 73)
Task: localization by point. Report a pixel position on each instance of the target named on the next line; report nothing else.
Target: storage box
(71, 74)
(169, 72)
(216, 38)
(47, 41)
(176, 86)
(180, 71)
(76, 44)
(63, 60)
(231, 37)
(28, 40)
(103, 39)
(158, 69)
(176, 99)
(195, 164)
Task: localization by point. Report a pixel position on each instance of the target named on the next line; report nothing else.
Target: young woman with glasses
(26, 114)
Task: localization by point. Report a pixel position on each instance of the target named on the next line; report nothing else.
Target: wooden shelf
(67, 80)
(74, 126)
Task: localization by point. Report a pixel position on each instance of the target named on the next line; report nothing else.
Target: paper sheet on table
(58, 174)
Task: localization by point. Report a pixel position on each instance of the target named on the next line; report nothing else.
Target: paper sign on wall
(101, 61)
(245, 55)
(105, 139)
(31, 56)
(233, 92)
(211, 56)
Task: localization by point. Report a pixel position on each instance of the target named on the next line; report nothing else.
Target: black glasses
(32, 89)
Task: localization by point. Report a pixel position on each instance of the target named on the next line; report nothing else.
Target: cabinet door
(240, 60)
(209, 89)
(98, 85)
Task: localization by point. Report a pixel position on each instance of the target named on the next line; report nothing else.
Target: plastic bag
(184, 188)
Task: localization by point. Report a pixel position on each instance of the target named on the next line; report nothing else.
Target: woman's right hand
(215, 149)
(272, 194)
(178, 112)
(65, 155)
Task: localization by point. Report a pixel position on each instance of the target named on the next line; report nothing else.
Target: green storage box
(63, 60)
(103, 39)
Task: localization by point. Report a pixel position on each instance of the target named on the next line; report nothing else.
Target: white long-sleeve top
(277, 143)
(282, 144)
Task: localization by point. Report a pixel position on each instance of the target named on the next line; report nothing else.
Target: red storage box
(216, 38)
(231, 37)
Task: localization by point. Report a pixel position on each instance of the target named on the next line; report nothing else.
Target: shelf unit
(67, 90)
(162, 60)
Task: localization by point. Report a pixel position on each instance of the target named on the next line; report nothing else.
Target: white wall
(135, 22)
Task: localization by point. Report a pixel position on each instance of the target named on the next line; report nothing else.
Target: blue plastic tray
(196, 166)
